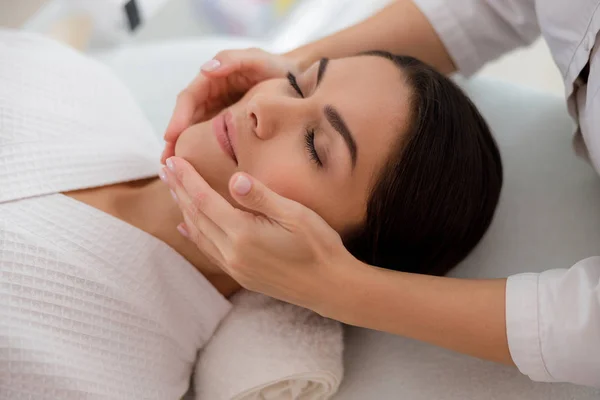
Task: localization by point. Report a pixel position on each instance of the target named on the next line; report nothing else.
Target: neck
(148, 205)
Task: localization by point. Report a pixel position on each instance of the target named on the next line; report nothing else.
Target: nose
(267, 114)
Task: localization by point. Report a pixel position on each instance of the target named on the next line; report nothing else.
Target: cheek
(294, 186)
(290, 180)
(311, 190)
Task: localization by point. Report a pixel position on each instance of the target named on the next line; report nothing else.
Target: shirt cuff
(449, 28)
(522, 326)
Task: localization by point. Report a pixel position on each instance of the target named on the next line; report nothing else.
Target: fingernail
(242, 185)
(211, 65)
(183, 230)
(174, 195)
(170, 165)
(163, 175)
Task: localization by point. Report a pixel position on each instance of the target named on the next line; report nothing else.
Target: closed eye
(309, 139)
(294, 84)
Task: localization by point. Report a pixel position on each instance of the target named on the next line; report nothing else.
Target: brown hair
(437, 194)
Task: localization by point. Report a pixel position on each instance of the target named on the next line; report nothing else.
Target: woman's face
(321, 143)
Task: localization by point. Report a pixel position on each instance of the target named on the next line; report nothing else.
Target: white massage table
(548, 217)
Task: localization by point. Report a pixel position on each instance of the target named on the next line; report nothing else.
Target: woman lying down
(100, 294)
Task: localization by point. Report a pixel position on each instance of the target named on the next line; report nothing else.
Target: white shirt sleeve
(553, 323)
(477, 31)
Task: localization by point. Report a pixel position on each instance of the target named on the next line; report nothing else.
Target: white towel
(267, 349)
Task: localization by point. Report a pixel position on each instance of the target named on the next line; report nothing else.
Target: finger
(254, 62)
(186, 107)
(188, 230)
(168, 152)
(224, 63)
(197, 195)
(254, 195)
(193, 216)
(200, 101)
(218, 68)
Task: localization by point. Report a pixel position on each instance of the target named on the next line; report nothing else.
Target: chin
(197, 146)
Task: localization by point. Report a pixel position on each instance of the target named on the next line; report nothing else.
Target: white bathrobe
(90, 307)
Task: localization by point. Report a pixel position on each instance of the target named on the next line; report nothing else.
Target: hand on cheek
(281, 249)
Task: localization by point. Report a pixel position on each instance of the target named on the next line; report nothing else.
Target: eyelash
(309, 137)
(294, 84)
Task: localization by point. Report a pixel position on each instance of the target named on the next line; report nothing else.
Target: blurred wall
(13, 13)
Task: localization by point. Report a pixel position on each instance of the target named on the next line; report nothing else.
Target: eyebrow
(337, 122)
(335, 119)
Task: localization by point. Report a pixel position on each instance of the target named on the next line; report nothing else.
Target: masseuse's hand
(221, 82)
(288, 252)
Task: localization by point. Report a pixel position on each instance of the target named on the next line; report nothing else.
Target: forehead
(372, 96)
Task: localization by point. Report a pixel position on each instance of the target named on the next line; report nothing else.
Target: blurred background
(93, 25)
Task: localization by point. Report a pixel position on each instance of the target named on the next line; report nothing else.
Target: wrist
(345, 289)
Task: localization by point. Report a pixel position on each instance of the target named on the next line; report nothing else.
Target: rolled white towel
(267, 349)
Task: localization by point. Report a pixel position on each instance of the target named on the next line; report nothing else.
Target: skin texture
(271, 122)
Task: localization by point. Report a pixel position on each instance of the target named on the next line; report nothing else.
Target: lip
(225, 132)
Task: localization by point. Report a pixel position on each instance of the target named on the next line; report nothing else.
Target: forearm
(467, 316)
(400, 28)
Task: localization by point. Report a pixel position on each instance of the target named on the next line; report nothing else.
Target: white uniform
(553, 318)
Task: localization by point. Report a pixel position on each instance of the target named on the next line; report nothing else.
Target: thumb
(254, 195)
